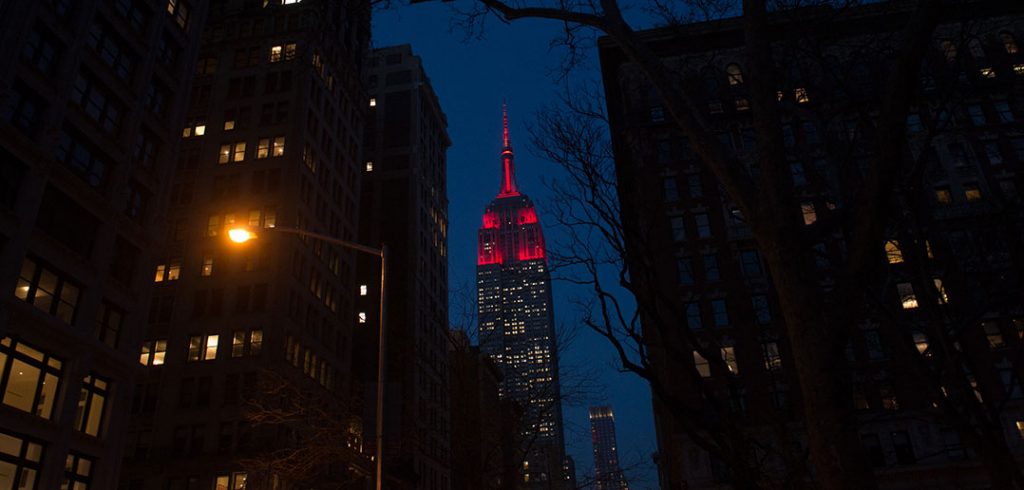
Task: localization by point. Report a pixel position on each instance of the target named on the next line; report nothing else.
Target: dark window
(135, 207)
(903, 448)
(693, 318)
(97, 102)
(873, 449)
(47, 290)
(111, 49)
(82, 158)
(762, 312)
(122, 265)
(41, 49)
(108, 324)
(720, 313)
(26, 109)
(133, 11)
(11, 173)
(750, 262)
(156, 98)
(161, 308)
(684, 270)
(703, 225)
(145, 149)
(711, 272)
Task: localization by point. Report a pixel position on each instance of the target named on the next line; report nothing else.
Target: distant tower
(516, 321)
(606, 457)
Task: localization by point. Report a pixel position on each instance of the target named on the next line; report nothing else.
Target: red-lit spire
(508, 180)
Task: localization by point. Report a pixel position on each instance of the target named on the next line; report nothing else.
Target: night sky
(471, 77)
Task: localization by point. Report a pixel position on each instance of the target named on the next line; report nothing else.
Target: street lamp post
(242, 235)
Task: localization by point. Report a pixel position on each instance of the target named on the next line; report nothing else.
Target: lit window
(801, 95)
(1009, 43)
(362, 317)
(972, 192)
(1018, 69)
(20, 461)
(701, 364)
(30, 378)
(807, 209)
(207, 270)
(729, 357)
(373, 102)
(93, 398)
(232, 152)
(153, 352)
(255, 342)
(238, 343)
(278, 147)
(735, 75)
(1020, 428)
(202, 347)
(269, 219)
(771, 357)
(987, 72)
(229, 125)
(47, 290)
(263, 148)
(213, 225)
(892, 252)
(77, 471)
(179, 10)
(943, 298)
(363, 289)
(200, 129)
(907, 297)
(943, 196)
(369, 166)
(921, 341)
(185, 133)
(168, 272)
(275, 53)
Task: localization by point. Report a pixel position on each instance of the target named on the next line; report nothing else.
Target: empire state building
(516, 322)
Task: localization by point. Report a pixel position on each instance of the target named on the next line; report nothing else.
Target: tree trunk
(832, 434)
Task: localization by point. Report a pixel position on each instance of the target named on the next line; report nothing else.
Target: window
(206, 66)
(93, 398)
(684, 271)
(19, 461)
(942, 298)
(976, 50)
(993, 153)
(362, 317)
(47, 290)
(229, 125)
(907, 297)
(678, 226)
(771, 357)
(153, 353)
(809, 214)
(29, 378)
(888, 395)
(232, 152)
(921, 342)
(994, 335)
(362, 289)
(1004, 112)
(750, 262)
(943, 195)
(693, 318)
(873, 447)
(373, 102)
(873, 344)
(987, 72)
(111, 49)
(1020, 428)
(179, 9)
(369, 166)
(207, 269)
(268, 147)
(711, 272)
(949, 50)
(762, 312)
(669, 192)
(703, 225)
(694, 187)
(729, 357)
(719, 312)
(701, 364)
(202, 347)
(892, 252)
(1018, 69)
(734, 74)
(282, 52)
(246, 342)
(77, 472)
(83, 159)
(972, 192)
(108, 324)
(976, 114)
(170, 271)
(41, 49)
(1009, 43)
(97, 103)
(801, 95)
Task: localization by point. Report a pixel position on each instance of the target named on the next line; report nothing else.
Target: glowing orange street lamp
(242, 235)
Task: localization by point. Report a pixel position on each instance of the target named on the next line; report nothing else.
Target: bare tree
(317, 441)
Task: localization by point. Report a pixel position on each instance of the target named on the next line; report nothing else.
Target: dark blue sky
(471, 77)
